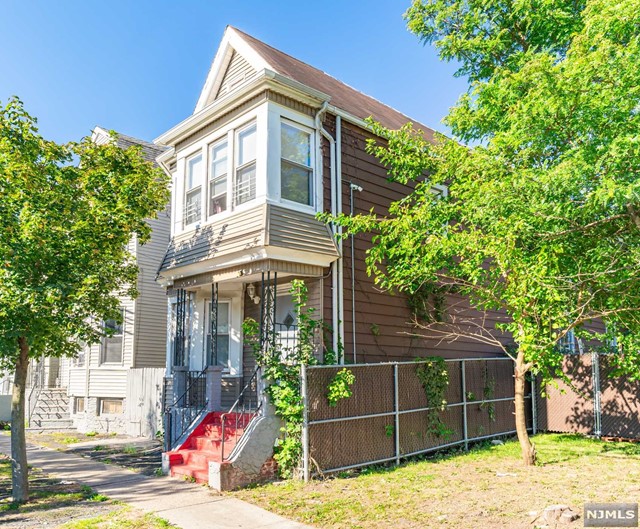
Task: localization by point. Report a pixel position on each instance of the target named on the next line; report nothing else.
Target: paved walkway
(186, 505)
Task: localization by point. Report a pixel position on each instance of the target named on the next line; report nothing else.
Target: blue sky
(138, 66)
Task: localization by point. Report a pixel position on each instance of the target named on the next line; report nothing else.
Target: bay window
(245, 165)
(296, 173)
(193, 190)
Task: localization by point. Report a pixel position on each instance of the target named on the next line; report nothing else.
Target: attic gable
(235, 64)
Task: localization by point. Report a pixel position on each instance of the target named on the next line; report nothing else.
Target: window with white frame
(110, 406)
(112, 345)
(218, 177)
(296, 173)
(223, 335)
(245, 165)
(568, 344)
(193, 190)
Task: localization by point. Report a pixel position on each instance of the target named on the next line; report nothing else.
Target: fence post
(597, 409)
(305, 422)
(464, 405)
(396, 407)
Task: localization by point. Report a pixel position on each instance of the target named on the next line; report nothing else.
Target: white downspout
(338, 174)
(336, 265)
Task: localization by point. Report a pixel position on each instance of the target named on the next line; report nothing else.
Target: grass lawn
(124, 518)
(487, 487)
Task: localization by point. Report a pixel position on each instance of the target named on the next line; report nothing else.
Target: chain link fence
(593, 403)
(388, 417)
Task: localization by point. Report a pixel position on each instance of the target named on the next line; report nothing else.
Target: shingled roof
(342, 95)
(150, 151)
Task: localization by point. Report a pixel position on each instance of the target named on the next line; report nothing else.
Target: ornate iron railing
(183, 411)
(246, 406)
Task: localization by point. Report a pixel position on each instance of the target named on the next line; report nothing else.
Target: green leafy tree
(67, 214)
(541, 220)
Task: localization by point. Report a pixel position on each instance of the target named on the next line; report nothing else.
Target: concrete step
(51, 424)
(50, 416)
(198, 458)
(198, 475)
(36, 429)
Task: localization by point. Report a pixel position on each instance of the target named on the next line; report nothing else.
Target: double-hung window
(245, 165)
(193, 190)
(296, 173)
(112, 345)
(218, 177)
(222, 336)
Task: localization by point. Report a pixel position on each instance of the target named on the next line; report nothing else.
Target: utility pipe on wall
(353, 187)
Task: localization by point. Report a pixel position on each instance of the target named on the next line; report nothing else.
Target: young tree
(542, 217)
(67, 214)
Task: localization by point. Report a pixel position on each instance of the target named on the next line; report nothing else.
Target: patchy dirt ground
(487, 488)
(53, 502)
(141, 455)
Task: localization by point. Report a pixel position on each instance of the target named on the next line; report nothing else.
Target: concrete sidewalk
(186, 505)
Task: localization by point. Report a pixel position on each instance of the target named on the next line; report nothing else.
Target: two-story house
(116, 385)
(271, 143)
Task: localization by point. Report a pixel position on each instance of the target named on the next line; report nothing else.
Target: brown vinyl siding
(383, 321)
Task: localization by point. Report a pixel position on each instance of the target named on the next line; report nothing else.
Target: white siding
(239, 72)
(150, 338)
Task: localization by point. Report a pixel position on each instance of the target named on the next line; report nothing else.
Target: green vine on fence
(433, 375)
(340, 386)
(282, 377)
(488, 392)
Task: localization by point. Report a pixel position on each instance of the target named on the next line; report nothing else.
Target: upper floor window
(193, 190)
(245, 165)
(568, 343)
(112, 345)
(296, 174)
(218, 177)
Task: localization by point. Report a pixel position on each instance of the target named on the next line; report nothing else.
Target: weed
(91, 434)
(131, 450)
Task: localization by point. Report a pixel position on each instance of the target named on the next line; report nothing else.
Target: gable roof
(261, 56)
(150, 151)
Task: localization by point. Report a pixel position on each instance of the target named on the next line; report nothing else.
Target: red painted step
(191, 460)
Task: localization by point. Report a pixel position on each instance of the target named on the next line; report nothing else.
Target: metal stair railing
(37, 382)
(242, 411)
(180, 415)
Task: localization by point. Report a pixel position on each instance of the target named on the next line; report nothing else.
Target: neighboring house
(271, 143)
(115, 386)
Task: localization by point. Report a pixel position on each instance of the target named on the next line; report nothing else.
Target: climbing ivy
(282, 377)
(488, 392)
(428, 303)
(340, 386)
(432, 373)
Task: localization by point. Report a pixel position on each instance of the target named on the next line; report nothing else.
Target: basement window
(78, 405)
(110, 406)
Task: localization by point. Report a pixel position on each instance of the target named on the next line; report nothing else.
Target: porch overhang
(247, 272)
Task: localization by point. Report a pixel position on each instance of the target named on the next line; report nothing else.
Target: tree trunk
(19, 470)
(528, 450)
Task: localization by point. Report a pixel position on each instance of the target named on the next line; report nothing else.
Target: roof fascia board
(266, 79)
(231, 41)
